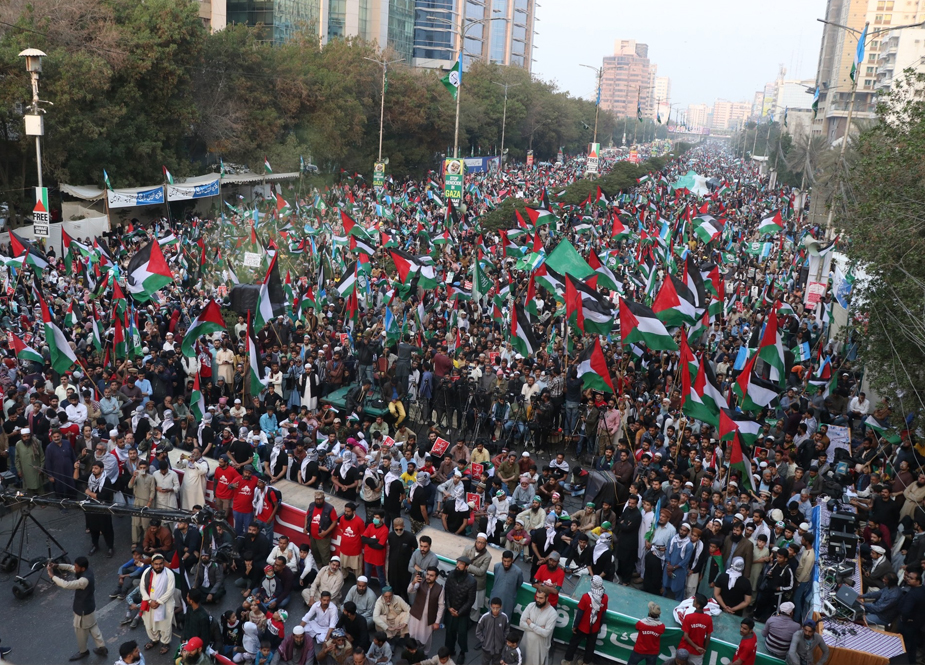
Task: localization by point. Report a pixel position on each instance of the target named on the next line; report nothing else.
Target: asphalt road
(39, 628)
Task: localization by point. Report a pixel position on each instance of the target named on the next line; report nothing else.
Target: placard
(815, 291)
(440, 447)
(472, 497)
(476, 470)
(838, 438)
(387, 442)
(454, 179)
(252, 259)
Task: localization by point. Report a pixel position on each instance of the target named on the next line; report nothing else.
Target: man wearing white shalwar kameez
(420, 629)
(538, 622)
(648, 518)
(193, 487)
(157, 586)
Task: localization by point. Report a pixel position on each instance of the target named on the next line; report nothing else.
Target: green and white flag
(453, 78)
(257, 383)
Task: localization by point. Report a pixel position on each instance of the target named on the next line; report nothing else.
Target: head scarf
(349, 461)
(681, 542)
(393, 475)
(251, 642)
(550, 529)
(734, 571)
(602, 545)
(597, 596)
(274, 454)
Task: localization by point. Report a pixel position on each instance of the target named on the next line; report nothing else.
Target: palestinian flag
(707, 228)
(97, 338)
(881, 431)
(167, 177)
(62, 357)
(823, 379)
(24, 352)
(694, 281)
(756, 393)
(605, 276)
(540, 216)
(739, 464)
(732, 422)
(772, 224)
(32, 255)
(592, 368)
(550, 280)
(118, 338)
(263, 313)
(521, 337)
(70, 319)
(266, 165)
(639, 324)
(209, 321)
(409, 266)
(148, 272)
(197, 402)
(619, 230)
(456, 293)
(771, 349)
(258, 382)
(348, 281)
(592, 311)
(675, 305)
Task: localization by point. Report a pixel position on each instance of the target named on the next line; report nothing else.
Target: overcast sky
(711, 49)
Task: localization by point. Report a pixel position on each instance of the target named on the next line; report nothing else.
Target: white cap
(237, 401)
(363, 579)
(805, 526)
(335, 558)
(525, 454)
(298, 630)
(113, 433)
(25, 430)
(879, 550)
(482, 536)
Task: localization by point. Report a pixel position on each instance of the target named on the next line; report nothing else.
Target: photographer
(516, 420)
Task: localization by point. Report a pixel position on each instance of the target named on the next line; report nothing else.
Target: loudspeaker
(844, 522)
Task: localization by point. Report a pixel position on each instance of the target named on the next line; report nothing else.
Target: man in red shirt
(549, 578)
(350, 530)
(374, 539)
(697, 628)
(587, 623)
(748, 647)
(649, 633)
(225, 474)
(320, 521)
(242, 505)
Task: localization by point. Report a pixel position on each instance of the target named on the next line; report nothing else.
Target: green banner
(379, 174)
(454, 179)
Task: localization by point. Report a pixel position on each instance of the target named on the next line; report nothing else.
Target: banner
(529, 158)
(454, 179)
(379, 174)
(594, 152)
(186, 192)
(129, 198)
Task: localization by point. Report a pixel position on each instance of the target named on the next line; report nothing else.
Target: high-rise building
(729, 115)
(505, 37)
(899, 50)
(757, 105)
(698, 116)
(626, 81)
(661, 96)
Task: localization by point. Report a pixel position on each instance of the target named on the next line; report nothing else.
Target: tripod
(9, 562)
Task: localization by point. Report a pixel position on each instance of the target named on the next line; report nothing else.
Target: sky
(711, 49)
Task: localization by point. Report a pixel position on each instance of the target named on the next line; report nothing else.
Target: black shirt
(737, 593)
(240, 451)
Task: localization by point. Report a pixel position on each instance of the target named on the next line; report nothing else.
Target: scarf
(393, 475)
(349, 461)
(492, 513)
(597, 596)
(602, 545)
(550, 531)
(274, 455)
(423, 480)
(734, 571)
(95, 484)
(681, 543)
(259, 495)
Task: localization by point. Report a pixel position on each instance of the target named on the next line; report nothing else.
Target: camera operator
(542, 417)
(516, 419)
(444, 399)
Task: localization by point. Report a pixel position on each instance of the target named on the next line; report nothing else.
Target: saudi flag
(771, 224)
(566, 260)
(24, 352)
(771, 350)
(258, 382)
(197, 403)
(639, 324)
(522, 338)
(62, 357)
(707, 228)
(453, 78)
(480, 283)
(266, 165)
(148, 272)
(675, 304)
(592, 368)
(167, 177)
(209, 321)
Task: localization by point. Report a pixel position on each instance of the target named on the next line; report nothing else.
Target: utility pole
(35, 125)
(597, 105)
(504, 113)
(385, 67)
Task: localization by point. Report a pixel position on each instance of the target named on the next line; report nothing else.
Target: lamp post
(460, 32)
(504, 113)
(858, 35)
(385, 66)
(34, 122)
(597, 105)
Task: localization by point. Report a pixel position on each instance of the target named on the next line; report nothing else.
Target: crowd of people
(425, 404)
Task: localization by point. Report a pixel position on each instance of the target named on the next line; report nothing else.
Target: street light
(597, 106)
(34, 125)
(857, 34)
(460, 32)
(385, 66)
(504, 114)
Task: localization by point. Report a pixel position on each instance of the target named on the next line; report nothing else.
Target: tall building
(899, 50)
(698, 116)
(506, 39)
(729, 115)
(626, 80)
(661, 97)
(757, 105)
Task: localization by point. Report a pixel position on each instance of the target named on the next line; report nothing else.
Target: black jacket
(459, 592)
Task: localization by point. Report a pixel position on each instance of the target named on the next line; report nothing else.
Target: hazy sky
(711, 49)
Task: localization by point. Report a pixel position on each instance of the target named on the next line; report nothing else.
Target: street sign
(41, 219)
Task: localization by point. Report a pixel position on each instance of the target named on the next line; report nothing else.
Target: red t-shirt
(373, 556)
(553, 578)
(748, 649)
(584, 626)
(244, 496)
(350, 532)
(315, 528)
(698, 627)
(223, 478)
(648, 638)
